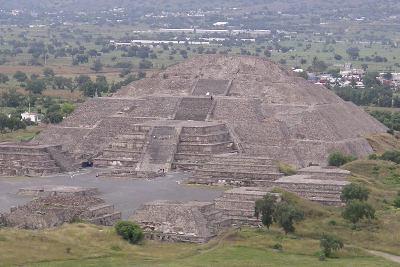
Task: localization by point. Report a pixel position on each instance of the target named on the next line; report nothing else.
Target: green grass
(99, 246)
(21, 135)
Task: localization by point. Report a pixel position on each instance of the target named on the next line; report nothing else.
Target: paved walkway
(126, 194)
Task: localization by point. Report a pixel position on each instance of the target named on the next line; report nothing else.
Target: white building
(33, 117)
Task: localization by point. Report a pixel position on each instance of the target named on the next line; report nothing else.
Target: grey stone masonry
(321, 190)
(176, 221)
(125, 150)
(236, 170)
(198, 144)
(32, 160)
(57, 209)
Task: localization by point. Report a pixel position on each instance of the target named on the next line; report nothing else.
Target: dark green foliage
(329, 243)
(389, 119)
(129, 231)
(266, 207)
(20, 76)
(12, 123)
(356, 210)
(36, 86)
(393, 155)
(286, 214)
(278, 246)
(338, 159)
(3, 78)
(396, 201)
(354, 192)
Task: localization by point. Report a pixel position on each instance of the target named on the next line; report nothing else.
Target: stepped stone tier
(176, 221)
(56, 209)
(57, 190)
(215, 105)
(33, 160)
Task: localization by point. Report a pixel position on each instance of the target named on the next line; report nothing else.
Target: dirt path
(387, 256)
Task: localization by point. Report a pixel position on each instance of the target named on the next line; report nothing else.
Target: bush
(354, 192)
(329, 243)
(286, 169)
(356, 210)
(338, 159)
(129, 231)
(393, 156)
(396, 201)
(278, 246)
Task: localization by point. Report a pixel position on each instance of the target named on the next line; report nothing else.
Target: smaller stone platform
(58, 190)
(55, 210)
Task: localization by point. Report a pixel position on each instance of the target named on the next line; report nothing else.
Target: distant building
(33, 117)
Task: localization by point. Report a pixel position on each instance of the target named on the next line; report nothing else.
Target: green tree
(266, 207)
(36, 86)
(3, 78)
(354, 192)
(396, 201)
(353, 52)
(391, 155)
(20, 76)
(356, 210)
(129, 231)
(329, 243)
(286, 215)
(3, 122)
(338, 159)
(48, 72)
(97, 65)
(67, 108)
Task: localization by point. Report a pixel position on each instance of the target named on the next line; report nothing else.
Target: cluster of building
(349, 76)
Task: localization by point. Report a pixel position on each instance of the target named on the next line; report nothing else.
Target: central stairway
(197, 145)
(125, 150)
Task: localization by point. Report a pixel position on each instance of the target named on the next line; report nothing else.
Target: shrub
(129, 231)
(396, 201)
(356, 210)
(373, 157)
(266, 207)
(329, 243)
(286, 169)
(338, 159)
(393, 156)
(286, 215)
(278, 246)
(354, 191)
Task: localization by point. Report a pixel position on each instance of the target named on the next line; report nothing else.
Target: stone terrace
(32, 160)
(176, 221)
(55, 210)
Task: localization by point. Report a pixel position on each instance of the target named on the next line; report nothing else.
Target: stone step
(192, 158)
(107, 219)
(243, 160)
(216, 137)
(203, 130)
(26, 163)
(130, 173)
(240, 167)
(118, 153)
(218, 174)
(24, 156)
(106, 162)
(28, 171)
(100, 210)
(213, 148)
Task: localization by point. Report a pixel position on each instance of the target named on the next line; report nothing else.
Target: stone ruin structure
(195, 221)
(226, 119)
(208, 107)
(25, 159)
(58, 205)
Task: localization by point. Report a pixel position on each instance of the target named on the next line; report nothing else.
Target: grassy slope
(98, 246)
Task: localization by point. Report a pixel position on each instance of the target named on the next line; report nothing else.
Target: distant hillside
(297, 6)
